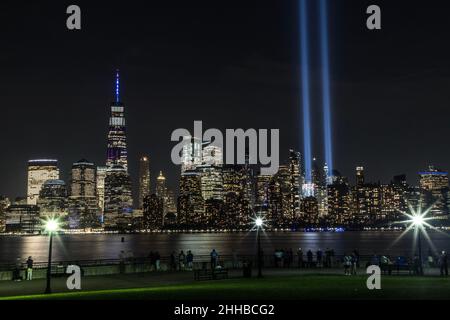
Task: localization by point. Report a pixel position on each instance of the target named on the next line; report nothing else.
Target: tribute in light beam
(326, 86)
(304, 65)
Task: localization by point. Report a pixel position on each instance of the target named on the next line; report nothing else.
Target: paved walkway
(139, 280)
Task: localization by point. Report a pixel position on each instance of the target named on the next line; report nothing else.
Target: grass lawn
(275, 287)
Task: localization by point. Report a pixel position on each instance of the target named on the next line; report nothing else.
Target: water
(108, 246)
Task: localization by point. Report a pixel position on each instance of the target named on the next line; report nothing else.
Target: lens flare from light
(51, 225)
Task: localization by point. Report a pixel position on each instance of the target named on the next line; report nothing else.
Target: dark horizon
(231, 65)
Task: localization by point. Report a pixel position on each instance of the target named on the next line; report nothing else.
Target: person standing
(157, 258)
(30, 268)
(443, 263)
(235, 259)
(181, 260)
(214, 257)
(347, 264)
(309, 257)
(319, 258)
(190, 260)
(173, 264)
(356, 254)
(354, 264)
(300, 257)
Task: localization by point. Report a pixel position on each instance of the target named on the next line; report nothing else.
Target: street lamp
(51, 226)
(259, 222)
(418, 221)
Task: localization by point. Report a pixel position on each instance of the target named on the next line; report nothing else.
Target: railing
(232, 261)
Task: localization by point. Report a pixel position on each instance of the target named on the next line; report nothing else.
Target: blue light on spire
(117, 86)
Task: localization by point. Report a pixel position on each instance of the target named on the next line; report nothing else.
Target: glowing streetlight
(417, 220)
(259, 223)
(51, 226)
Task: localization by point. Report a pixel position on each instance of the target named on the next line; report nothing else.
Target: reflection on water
(108, 246)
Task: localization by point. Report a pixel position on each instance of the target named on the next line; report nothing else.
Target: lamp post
(51, 226)
(418, 222)
(259, 223)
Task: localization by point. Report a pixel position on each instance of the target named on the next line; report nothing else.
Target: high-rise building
(117, 141)
(118, 200)
(144, 179)
(435, 190)
(21, 217)
(101, 176)
(39, 171)
(211, 181)
(191, 154)
(212, 155)
(359, 176)
(153, 212)
(53, 200)
(83, 202)
(161, 185)
(191, 207)
(4, 204)
(339, 203)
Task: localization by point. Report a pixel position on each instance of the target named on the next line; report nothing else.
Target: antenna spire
(117, 86)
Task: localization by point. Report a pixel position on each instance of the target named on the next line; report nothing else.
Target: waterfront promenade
(278, 283)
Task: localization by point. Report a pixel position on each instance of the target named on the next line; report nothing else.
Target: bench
(209, 274)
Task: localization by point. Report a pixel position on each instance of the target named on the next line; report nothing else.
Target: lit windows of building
(39, 171)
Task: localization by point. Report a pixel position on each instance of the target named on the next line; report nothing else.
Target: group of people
(351, 263)
(324, 259)
(16, 276)
(182, 262)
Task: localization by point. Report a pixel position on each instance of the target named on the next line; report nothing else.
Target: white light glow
(51, 225)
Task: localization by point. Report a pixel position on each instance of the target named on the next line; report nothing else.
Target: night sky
(232, 64)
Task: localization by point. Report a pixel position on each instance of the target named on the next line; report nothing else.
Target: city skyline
(164, 90)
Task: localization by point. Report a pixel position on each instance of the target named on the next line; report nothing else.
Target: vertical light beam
(326, 86)
(304, 65)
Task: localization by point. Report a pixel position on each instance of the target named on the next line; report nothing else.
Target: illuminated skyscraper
(118, 200)
(153, 212)
(212, 155)
(435, 190)
(83, 202)
(40, 171)
(117, 142)
(191, 206)
(161, 185)
(4, 204)
(53, 200)
(211, 181)
(101, 175)
(191, 154)
(144, 179)
(359, 176)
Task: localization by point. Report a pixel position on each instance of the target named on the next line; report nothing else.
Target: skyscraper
(191, 154)
(118, 201)
(144, 180)
(117, 142)
(53, 200)
(101, 176)
(435, 190)
(359, 176)
(83, 202)
(40, 171)
(161, 185)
